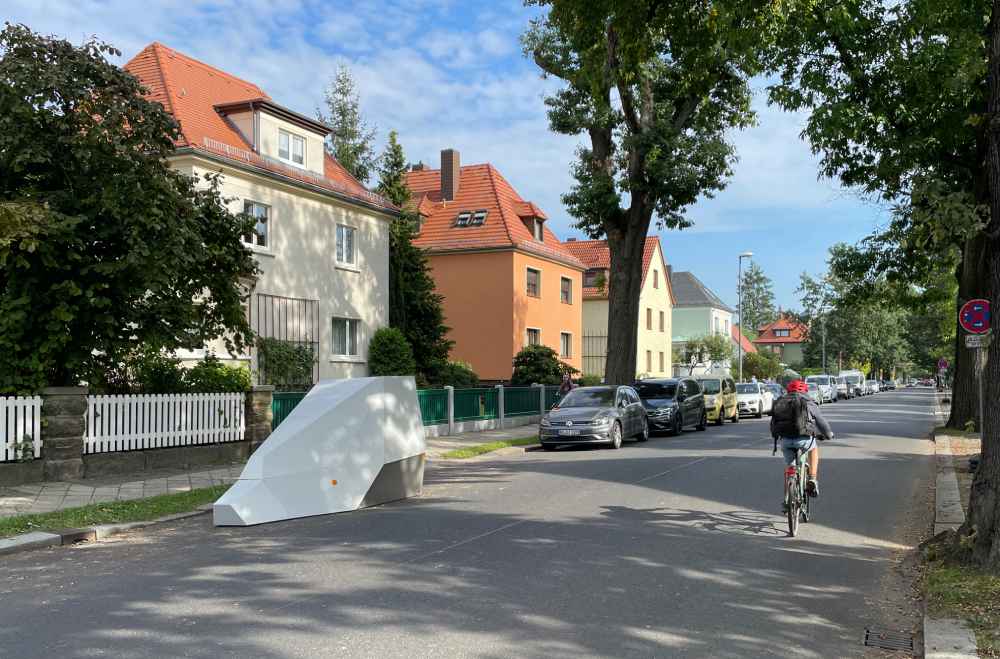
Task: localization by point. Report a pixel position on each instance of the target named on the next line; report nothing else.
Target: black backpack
(790, 416)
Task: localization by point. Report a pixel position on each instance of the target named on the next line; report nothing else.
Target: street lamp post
(739, 292)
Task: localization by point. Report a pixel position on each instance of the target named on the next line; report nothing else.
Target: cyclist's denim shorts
(788, 447)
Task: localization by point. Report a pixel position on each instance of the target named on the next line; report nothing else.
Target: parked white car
(872, 386)
(827, 387)
(754, 399)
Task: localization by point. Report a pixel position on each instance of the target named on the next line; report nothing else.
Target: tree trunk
(972, 283)
(624, 287)
(983, 523)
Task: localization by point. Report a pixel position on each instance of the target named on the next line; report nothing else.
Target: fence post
(451, 408)
(258, 419)
(64, 423)
(541, 397)
(500, 410)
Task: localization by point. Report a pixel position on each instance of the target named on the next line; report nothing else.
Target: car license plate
(569, 433)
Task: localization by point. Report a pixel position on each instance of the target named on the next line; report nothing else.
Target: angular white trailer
(348, 444)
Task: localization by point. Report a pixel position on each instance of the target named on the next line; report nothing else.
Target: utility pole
(823, 320)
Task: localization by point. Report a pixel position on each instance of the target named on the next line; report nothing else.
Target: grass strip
(479, 449)
(963, 592)
(955, 432)
(112, 512)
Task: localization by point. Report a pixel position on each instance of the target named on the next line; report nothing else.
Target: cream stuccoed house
(321, 238)
(654, 356)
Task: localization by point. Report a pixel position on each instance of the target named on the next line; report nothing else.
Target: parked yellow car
(720, 398)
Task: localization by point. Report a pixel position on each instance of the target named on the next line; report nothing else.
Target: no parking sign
(974, 316)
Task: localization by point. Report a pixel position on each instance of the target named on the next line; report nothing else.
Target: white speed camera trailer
(348, 444)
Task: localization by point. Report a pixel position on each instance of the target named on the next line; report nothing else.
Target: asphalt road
(671, 548)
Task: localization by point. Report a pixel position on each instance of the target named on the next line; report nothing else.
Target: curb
(946, 638)
(40, 539)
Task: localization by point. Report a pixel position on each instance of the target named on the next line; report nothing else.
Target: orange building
(506, 279)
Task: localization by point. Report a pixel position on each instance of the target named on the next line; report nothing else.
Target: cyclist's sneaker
(812, 487)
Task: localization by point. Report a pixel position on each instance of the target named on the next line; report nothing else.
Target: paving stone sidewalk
(51, 496)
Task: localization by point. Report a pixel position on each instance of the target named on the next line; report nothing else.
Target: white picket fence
(20, 419)
(136, 422)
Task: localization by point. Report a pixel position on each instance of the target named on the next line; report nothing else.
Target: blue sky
(450, 73)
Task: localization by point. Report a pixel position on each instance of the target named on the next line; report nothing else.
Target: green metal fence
(520, 401)
(475, 404)
(433, 406)
(282, 405)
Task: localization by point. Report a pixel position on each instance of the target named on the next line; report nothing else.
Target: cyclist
(814, 424)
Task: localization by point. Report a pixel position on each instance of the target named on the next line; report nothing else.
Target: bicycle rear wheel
(794, 506)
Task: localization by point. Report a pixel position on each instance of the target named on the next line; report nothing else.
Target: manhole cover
(888, 640)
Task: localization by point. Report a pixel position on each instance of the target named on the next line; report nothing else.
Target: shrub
(154, 372)
(589, 380)
(211, 376)
(456, 374)
(539, 365)
(285, 364)
(389, 353)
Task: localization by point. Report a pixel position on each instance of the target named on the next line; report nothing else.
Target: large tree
(351, 140)
(415, 307)
(896, 95)
(654, 87)
(758, 301)
(103, 248)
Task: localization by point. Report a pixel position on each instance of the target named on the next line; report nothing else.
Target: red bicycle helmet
(797, 387)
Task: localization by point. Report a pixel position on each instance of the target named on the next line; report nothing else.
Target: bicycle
(796, 498)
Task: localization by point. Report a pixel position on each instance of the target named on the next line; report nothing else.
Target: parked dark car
(673, 404)
(595, 415)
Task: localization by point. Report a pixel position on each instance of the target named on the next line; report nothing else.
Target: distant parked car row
(610, 414)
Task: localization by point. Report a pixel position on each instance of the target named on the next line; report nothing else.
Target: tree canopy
(654, 87)
(415, 307)
(103, 248)
(758, 301)
(351, 141)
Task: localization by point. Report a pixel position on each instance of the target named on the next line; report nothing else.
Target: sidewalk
(58, 495)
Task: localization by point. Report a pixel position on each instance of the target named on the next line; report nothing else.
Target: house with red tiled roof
(321, 239)
(740, 340)
(506, 279)
(784, 337)
(654, 356)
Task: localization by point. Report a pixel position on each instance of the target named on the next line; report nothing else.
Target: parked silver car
(815, 393)
(595, 415)
(827, 387)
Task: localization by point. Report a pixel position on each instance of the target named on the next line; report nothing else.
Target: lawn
(112, 512)
(479, 449)
(962, 592)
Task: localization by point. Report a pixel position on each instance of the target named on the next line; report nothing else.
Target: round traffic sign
(975, 316)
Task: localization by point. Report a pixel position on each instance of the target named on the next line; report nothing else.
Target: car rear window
(711, 386)
(649, 390)
(747, 389)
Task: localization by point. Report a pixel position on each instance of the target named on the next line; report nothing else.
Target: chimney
(571, 240)
(450, 165)
(417, 167)
(670, 271)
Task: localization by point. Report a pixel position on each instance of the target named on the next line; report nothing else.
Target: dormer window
(291, 147)
(534, 225)
(782, 332)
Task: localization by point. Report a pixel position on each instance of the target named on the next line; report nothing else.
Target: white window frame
(663, 323)
(783, 333)
(292, 138)
(570, 296)
(538, 232)
(527, 336)
(348, 355)
(569, 353)
(351, 264)
(266, 247)
(528, 269)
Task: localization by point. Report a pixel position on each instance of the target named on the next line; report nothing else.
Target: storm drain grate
(887, 640)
